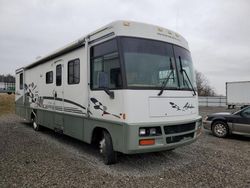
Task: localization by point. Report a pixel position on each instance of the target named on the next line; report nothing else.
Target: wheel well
(97, 135)
(216, 120)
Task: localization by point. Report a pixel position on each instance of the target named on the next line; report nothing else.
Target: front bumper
(207, 125)
(161, 142)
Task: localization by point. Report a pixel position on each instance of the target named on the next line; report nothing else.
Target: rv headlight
(152, 131)
(142, 132)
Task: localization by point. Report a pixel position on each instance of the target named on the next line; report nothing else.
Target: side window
(21, 81)
(49, 77)
(104, 58)
(246, 113)
(58, 75)
(74, 71)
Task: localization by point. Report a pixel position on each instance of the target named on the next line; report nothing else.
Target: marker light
(206, 118)
(160, 29)
(199, 131)
(126, 23)
(124, 116)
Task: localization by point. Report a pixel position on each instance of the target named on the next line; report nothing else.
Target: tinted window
(184, 62)
(59, 75)
(246, 113)
(145, 46)
(105, 58)
(149, 63)
(104, 48)
(74, 71)
(49, 77)
(21, 81)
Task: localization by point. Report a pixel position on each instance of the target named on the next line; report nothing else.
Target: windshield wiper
(164, 83)
(183, 70)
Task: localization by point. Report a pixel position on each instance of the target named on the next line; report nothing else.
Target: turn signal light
(199, 131)
(146, 142)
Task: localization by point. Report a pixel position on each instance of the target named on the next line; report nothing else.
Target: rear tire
(106, 149)
(35, 125)
(220, 129)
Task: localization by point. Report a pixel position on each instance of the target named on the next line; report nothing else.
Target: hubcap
(102, 145)
(220, 129)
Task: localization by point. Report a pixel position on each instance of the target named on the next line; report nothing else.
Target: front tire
(35, 125)
(106, 149)
(220, 129)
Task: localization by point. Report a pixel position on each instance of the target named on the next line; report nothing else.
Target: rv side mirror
(103, 80)
(103, 84)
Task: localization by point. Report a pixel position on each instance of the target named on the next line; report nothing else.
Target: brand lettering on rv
(188, 106)
(184, 108)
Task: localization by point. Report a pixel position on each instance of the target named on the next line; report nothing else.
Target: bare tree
(203, 86)
(7, 78)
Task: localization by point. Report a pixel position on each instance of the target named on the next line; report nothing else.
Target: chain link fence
(213, 101)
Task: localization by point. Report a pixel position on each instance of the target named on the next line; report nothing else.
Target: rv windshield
(185, 65)
(149, 63)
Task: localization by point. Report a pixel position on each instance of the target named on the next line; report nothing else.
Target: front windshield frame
(177, 68)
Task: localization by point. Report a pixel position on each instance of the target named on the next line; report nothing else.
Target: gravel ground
(46, 159)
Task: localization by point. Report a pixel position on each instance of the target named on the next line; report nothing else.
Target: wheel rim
(220, 129)
(102, 146)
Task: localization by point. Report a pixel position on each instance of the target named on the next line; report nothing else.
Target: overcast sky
(218, 31)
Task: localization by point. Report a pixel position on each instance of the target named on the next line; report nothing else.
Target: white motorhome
(128, 87)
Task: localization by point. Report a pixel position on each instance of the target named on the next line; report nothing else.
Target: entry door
(20, 89)
(20, 93)
(59, 95)
(242, 124)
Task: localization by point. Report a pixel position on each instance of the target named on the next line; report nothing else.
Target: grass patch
(7, 103)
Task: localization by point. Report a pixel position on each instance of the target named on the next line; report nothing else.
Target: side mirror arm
(110, 93)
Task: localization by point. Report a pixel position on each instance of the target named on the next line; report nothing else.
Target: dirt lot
(46, 159)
